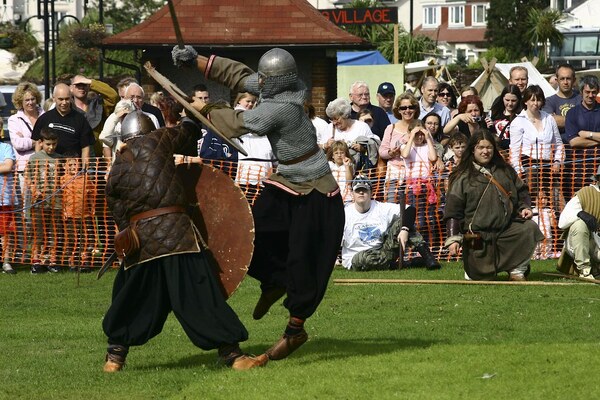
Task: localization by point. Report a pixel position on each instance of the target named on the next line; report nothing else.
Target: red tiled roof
(225, 23)
(453, 35)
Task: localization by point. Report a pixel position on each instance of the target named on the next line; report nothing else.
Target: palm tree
(542, 29)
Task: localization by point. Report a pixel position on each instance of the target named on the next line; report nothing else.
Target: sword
(107, 265)
(175, 24)
(182, 98)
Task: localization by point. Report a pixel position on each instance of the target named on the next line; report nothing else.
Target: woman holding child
(406, 109)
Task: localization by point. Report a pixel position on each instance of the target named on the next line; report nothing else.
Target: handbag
(127, 242)
(473, 240)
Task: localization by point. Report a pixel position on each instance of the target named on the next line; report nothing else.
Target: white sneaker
(586, 273)
(8, 269)
(588, 276)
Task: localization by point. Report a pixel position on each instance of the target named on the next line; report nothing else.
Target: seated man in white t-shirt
(375, 233)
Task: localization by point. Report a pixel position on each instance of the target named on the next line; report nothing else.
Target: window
(480, 14)
(430, 16)
(586, 45)
(457, 15)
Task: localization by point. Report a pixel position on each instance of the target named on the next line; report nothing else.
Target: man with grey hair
(428, 101)
(582, 130)
(360, 98)
(146, 107)
(135, 94)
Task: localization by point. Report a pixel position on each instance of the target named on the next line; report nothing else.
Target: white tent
(494, 78)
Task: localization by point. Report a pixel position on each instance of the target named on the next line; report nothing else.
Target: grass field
(366, 342)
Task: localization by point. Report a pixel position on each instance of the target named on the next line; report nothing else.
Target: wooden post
(395, 43)
(447, 282)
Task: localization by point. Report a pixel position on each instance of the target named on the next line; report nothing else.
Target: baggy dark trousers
(297, 242)
(143, 297)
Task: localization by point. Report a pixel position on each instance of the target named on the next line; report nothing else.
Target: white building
(458, 27)
(18, 11)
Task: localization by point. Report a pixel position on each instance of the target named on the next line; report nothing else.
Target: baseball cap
(361, 182)
(386, 88)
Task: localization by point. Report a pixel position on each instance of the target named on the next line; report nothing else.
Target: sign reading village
(361, 16)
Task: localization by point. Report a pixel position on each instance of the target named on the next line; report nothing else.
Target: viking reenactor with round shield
(299, 215)
(164, 267)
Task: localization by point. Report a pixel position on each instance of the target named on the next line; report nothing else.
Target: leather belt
(301, 158)
(156, 212)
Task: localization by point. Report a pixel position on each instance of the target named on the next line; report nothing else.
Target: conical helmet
(135, 124)
(276, 62)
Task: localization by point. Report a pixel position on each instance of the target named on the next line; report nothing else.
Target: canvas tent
(494, 78)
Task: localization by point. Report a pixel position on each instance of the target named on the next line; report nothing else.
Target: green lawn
(366, 342)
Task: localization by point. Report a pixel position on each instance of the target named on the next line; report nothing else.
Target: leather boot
(267, 298)
(287, 345)
(245, 362)
(114, 363)
(430, 261)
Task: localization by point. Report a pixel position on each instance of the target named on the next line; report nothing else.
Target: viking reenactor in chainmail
(169, 272)
(299, 215)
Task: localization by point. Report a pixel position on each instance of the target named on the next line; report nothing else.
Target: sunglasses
(368, 120)
(404, 108)
(444, 94)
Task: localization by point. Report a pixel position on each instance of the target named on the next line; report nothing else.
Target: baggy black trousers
(297, 241)
(144, 295)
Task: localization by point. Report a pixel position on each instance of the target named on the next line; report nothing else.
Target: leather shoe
(113, 363)
(517, 278)
(266, 300)
(245, 362)
(287, 345)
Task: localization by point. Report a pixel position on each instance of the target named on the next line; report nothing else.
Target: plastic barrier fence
(59, 213)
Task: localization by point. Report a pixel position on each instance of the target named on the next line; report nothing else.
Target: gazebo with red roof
(243, 31)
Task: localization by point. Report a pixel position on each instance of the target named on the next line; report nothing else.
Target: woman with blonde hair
(406, 109)
(27, 100)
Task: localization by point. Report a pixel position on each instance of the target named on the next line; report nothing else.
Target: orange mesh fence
(59, 213)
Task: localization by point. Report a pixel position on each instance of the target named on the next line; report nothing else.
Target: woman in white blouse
(536, 149)
(356, 134)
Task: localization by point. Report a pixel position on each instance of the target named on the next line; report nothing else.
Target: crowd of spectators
(413, 145)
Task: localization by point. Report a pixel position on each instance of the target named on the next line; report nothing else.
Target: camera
(477, 119)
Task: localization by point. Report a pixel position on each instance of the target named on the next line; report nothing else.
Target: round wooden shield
(224, 219)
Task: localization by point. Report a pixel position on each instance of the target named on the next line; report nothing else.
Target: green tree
(79, 47)
(126, 14)
(542, 29)
(507, 25)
